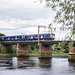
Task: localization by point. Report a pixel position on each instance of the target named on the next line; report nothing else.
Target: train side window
(28, 36)
(16, 37)
(8, 38)
(45, 35)
(36, 36)
(25, 36)
(12, 37)
(41, 36)
(5, 37)
(31, 37)
(20, 36)
(2, 38)
(48, 35)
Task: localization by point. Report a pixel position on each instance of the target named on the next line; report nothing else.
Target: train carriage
(48, 36)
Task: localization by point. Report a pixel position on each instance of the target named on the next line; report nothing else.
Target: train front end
(52, 36)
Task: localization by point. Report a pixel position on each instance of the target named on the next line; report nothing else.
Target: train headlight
(53, 37)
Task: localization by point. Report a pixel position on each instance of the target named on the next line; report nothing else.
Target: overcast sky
(23, 16)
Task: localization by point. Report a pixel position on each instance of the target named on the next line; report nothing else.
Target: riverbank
(7, 55)
(60, 55)
(53, 55)
(36, 55)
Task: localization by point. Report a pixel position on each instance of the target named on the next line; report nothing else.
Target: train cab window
(53, 34)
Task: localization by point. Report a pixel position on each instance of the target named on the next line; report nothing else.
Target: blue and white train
(48, 36)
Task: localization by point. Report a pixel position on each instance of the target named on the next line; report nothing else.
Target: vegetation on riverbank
(7, 55)
(36, 55)
(54, 54)
(34, 51)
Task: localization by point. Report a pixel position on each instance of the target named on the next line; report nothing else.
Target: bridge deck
(46, 42)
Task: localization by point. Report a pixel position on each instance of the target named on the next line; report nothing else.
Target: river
(35, 66)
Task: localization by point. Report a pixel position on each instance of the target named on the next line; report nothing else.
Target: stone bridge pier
(22, 50)
(2, 48)
(71, 55)
(45, 51)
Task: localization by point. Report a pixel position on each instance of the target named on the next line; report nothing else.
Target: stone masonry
(2, 47)
(45, 50)
(71, 55)
(22, 49)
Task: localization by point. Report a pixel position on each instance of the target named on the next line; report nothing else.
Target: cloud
(23, 9)
(23, 16)
(16, 26)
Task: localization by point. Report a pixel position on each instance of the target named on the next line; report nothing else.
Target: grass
(54, 53)
(35, 53)
(7, 55)
(59, 54)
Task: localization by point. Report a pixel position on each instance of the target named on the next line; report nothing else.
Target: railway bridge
(44, 48)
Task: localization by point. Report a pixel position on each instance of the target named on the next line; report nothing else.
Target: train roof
(40, 34)
(26, 35)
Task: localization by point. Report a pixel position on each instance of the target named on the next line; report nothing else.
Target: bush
(66, 49)
(14, 51)
(9, 50)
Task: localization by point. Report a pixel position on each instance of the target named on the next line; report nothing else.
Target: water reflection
(33, 65)
(5, 63)
(23, 62)
(45, 63)
(14, 62)
(72, 65)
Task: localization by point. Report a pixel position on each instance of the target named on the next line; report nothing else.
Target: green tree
(32, 47)
(61, 47)
(9, 50)
(1, 34)
(65, 12)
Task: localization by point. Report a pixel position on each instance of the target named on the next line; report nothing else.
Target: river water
(35, 66)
